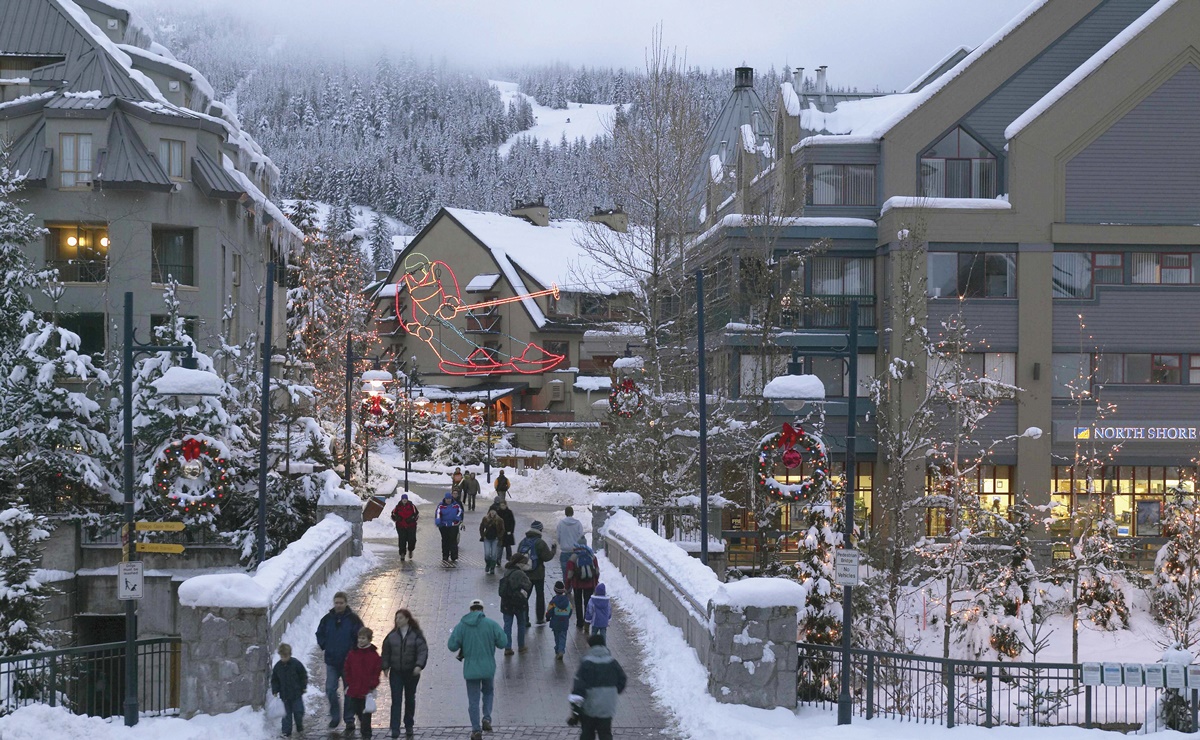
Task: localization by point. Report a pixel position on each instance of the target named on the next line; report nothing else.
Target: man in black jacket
(539, 553)
(594, 693)
(288, 681)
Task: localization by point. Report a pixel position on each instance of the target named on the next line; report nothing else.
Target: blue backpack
(585, 564)
(528, 548)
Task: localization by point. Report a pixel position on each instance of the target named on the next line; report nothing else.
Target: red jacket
(361, 671)
(405, 515)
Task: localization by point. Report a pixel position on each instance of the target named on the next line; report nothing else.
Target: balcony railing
(183, 274)
(485, 322)
(821, 312)
(80, 271)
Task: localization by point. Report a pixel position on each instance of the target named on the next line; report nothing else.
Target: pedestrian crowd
(354, 666)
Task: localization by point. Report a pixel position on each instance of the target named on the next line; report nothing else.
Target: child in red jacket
(361, 674)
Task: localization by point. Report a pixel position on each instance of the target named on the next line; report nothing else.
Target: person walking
(539, 553)
(448, 519)
(336, 635)
(470, 489)
(405, 653)
(598, 612)
(583, 573)
(456, 479)
(598, 681)
(362, 678)
(558, 614)
(514, 600)
(510, 526)
(491, 530)
(502, 485)
(570, 534)
(478, 638)
(405, 516)
(288, 681)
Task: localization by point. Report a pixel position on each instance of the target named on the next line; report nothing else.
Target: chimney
(723, 151)
(799, 82)
(535, 211)
(756, 120)
(822, 83)
(743, 77)
(613, 218)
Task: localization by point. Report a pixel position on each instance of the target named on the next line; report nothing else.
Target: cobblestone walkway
(531, 688)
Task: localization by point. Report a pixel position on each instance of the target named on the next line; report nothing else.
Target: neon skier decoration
(436, 301)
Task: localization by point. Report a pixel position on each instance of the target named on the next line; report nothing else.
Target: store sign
(1141, 432)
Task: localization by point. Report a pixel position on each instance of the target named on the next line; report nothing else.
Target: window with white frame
(170, 156)
(75, 160)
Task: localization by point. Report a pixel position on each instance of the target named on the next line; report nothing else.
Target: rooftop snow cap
(476, 604)
(537, 525)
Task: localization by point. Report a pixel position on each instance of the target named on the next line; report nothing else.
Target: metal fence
(987, 693)
(91, 679)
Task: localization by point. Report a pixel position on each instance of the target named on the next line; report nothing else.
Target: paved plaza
(531, 688)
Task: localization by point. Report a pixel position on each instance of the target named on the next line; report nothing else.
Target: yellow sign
(159, 547)
(158, 526)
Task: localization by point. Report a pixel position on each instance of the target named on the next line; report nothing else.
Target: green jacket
(479, 638)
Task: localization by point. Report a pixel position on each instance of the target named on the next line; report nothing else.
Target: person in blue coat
(598, 612)
(448, 519)
(336, 635)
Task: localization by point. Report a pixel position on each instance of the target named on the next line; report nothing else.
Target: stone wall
(226, 659)
(753, 659)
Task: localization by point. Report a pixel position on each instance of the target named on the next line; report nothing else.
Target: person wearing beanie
(558, 614)
(405, 518)
(539, 553)
(514, 600)
(598, 612)
(594, 693)
(478, 638)
(448, 519)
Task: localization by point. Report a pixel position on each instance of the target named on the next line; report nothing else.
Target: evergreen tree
(1014, 586)
(381, 243)
(819, 535)
(456, 444)
(22, 596)
(1175, 583)
(554, 453)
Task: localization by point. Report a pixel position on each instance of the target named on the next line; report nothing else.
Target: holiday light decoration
(378, 412)
(787, 441)
(190, 493)
(626, 399)
(435, 299)
(475, 423)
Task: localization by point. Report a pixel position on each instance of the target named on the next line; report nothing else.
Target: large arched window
(958, 166)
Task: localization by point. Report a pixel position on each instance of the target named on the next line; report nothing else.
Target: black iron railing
(986, 693)
(91, 679)
(80, 271)
(819, 312)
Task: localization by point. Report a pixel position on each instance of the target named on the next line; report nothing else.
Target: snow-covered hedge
(612, 499)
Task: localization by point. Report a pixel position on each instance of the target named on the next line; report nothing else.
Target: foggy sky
(866, 43)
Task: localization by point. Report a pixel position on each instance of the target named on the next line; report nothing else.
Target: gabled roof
(125, 164)
(212, 179)
(30, 156)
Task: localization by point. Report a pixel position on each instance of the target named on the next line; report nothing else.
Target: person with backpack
(539, 553)
(405, 517)
(598, 612)
(491, 530)
(583, 573)
(470, 487)
(448, 519)
(558, 614)
(476, 638)
(501, 486)
(405, 653)
(456, 479)
(570, 534)
(594, 692)
(514, 600)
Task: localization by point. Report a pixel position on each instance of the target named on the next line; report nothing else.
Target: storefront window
(993, 485)
(1135, 496)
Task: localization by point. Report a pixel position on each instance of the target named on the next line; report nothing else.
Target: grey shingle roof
(212, 179)
(738, 110)
(62, 102)
(125, 164)
(30, 156)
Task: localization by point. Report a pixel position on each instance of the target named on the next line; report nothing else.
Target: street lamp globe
(478, 406)
(795, 391)
(375, 381)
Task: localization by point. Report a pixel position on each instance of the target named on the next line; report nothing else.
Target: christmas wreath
(626, 399)
(796, 444)
(475, 423)
(378, 414)
(192, 475)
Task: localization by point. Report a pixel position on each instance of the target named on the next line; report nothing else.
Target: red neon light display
(436, 301)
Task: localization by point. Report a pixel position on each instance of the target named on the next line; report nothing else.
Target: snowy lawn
(680, 685)
(40, 721)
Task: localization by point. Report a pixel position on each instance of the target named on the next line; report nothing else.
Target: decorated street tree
(22, 595)
(1175, 583)
(1013, 587)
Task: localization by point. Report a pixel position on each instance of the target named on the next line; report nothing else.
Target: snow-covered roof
(593, 383)
(482, 283)
(387, 290)
(965, 204)
(924, 77)
(1086, 69)
(199, 81)
(740, 220)
(439, 393)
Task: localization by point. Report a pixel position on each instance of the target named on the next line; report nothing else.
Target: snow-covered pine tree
(22, 596)
(456, 444)
(819, 534)
(554, 452)
(1014, 585)
(1175, 583)
(380, 238)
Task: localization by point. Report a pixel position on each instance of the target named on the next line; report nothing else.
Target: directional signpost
(129, 580)
(162, 547)
(158, 526)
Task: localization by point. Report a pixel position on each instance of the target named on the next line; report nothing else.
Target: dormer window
(958, 166)
(170, 156)
(75, 155)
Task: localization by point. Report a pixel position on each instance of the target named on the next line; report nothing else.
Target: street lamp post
(132, 348)
(487, 430)
(410, 381)
(351, 358)
(850, 476)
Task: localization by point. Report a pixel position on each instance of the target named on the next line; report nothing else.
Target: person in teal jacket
(476, 639)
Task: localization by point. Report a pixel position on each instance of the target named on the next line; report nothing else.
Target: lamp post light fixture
(794, 390)
(374, 383)
(185, 381)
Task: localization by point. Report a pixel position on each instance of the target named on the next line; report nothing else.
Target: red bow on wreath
(191, 448)
(376, 406)
(789, 437)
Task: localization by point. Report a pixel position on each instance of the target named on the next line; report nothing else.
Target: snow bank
(790, 387)
(180, 381)
(618, 498)
(272, 579)
(761, 592)
(693, 576)
(333, 492)
(40, 721)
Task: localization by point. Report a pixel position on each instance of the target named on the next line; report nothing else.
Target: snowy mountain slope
(576, 120)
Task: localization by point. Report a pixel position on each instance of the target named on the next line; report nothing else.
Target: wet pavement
(531, 688)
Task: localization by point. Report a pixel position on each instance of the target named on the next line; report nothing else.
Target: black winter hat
(560, 587)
